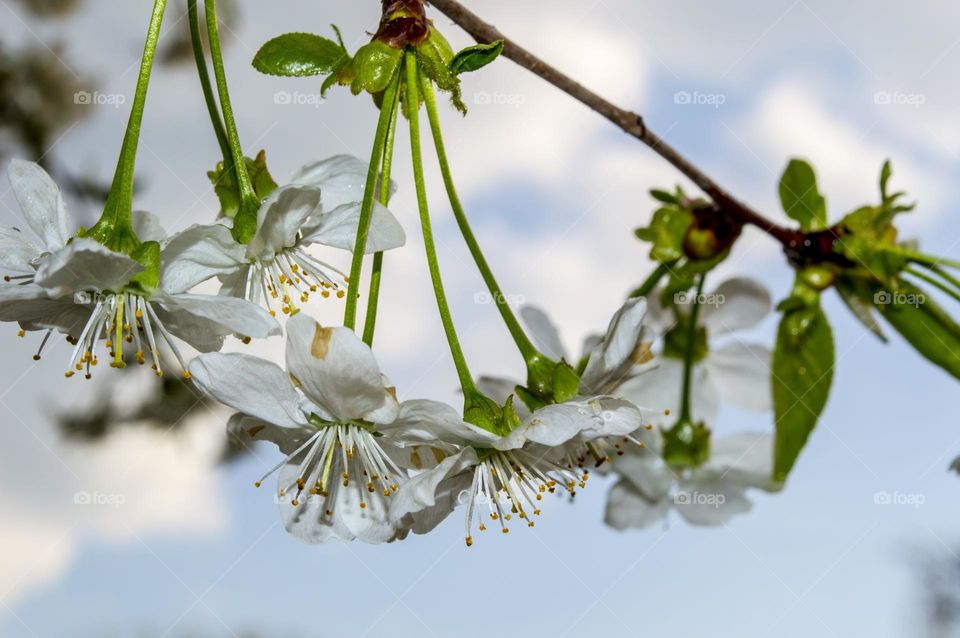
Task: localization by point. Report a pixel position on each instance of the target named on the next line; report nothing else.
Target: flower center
(119, 319)
(513, 483)
(291, 276)
(338, 455)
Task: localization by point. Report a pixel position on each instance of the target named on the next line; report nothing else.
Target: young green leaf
(802, 374)
(298, 55)
(923, 323)
(476, 57)
(862, 310)
(801, 198)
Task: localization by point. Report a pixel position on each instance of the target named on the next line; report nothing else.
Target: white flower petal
(420, 492)
(85, 265)
(543, 333)
(422, 421)
(629, 509)
(17, 253)
(658, 391)
(611, 363)
(584, 420)
(280, 219)
(497, 388)
(30, 306)
(647, 472)
(197, 254)
(334, 368)
(251, 385)
(147, 226)
(659, 318)
(741, 373)
(341, 180)
(744, 458)
(245, 430)
(41, 202)
(741, 303)
(338, 229)
(710, 504)
(309, 522)
(449, 494)
(200, 317)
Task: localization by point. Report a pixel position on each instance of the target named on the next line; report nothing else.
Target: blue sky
(554, 193)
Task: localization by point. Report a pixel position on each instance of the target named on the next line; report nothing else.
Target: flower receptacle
(686, 445)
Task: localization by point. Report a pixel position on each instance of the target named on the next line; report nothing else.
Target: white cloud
(136, 483)
(791, 120)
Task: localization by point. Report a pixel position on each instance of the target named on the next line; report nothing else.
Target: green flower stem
(651, 282)
(386, 170)
(213, 109)
(933, 282)
(947, 276)
(116, 218)
(527, 349)
(366, 208)
(413, 100)
(248, 195)
(926, 260)
(685, 416)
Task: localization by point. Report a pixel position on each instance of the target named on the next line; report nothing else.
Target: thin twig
(630, 122)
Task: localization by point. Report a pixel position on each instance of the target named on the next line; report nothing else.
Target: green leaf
(664, 196)
(298, 55)
(801, 198)
(862, 310)
(923, 323)
(476, 57)
(802, 374)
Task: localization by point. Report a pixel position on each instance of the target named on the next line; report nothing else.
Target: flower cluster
(637, 406)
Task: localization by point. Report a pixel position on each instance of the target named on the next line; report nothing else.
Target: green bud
(487, 414)
(686, 445)
(675, 342)
(818, 277)
(224, 181)
(700, 243)
(372, 68)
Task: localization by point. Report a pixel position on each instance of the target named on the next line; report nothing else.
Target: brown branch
(794, 241)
